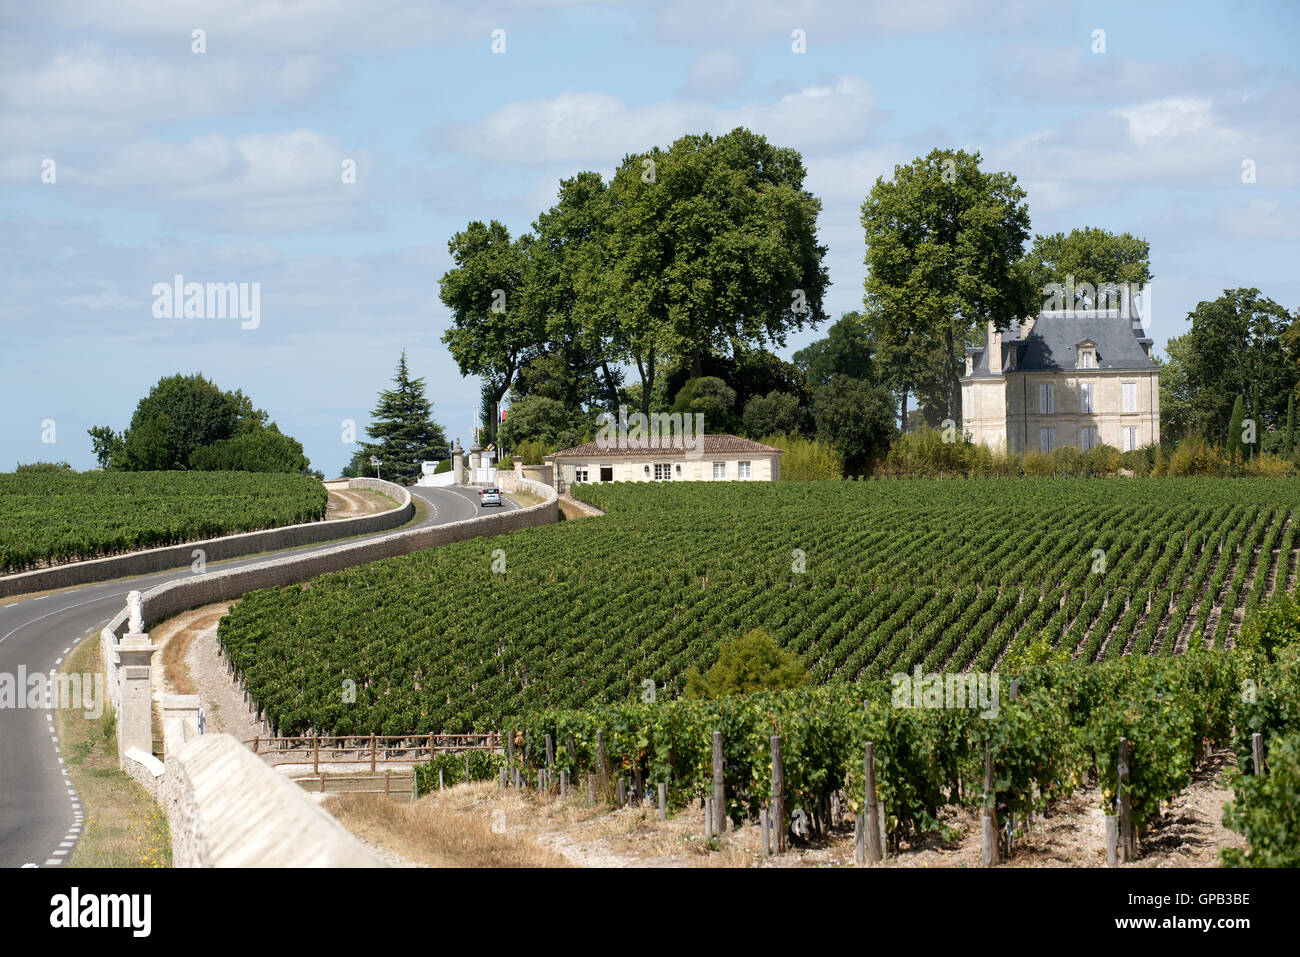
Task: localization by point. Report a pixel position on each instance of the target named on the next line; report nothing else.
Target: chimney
(994, 349)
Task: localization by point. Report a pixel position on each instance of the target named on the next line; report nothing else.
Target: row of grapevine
(861, 580)
(1061, 729)
(54, 517)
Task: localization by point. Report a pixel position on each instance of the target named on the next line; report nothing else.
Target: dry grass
(524, 499)
(453, 829)
(123, 826)
(175, 636)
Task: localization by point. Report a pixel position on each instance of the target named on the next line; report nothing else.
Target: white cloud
(1261, 219)
(592, 126)
(715, 73)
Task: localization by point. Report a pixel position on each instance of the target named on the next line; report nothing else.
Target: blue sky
(224, 166)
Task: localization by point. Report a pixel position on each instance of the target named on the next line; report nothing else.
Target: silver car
(489, 496)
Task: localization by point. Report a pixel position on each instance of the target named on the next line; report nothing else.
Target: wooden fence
(400, 786)
(358, 749)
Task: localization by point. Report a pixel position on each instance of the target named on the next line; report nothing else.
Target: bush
(533, 453)
(44, 467)
(1274, 626)
(777, 412)
(752, 662)
(1267, 465)
(1195, 456)
(261, 450)
(483, 766)
(1266, 809)
(805, 460)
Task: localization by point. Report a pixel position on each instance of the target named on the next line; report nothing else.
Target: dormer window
(1087, 356)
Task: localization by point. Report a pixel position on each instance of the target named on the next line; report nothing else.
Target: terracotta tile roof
(712, 445)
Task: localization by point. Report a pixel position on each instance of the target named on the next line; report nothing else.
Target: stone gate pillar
(135, 710)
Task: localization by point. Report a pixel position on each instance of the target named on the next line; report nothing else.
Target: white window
(1046, 440)
(1086, 393)
(663, 471)
(744, 470)
(1130, 396)
(1087, 359)
(719, 471)
(1130, 440)
(580, 475)
(1046, 399)
(1087, 439)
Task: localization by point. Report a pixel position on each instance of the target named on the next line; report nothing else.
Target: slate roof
(1050, 346)
(712, 445)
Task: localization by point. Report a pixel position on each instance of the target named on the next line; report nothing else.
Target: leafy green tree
(1089, 255)
(776, 412)
(752, 662)
(708, 245)
(944, 255)
(1240, 345)
(1236, 448)
(1178, 415)
(179, 415)
(577, 364)
(541, 420)
(857, 418)
(846, 350)
(263, 450)
(712, 397)
(403, 429)
(1290, 425)
(492, 335)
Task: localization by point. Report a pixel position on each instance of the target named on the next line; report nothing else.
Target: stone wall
(216, 549)
(192, 591)
(227, 808)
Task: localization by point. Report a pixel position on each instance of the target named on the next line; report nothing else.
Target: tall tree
(491, 334)
(577, 366)
(1177, 400)
(1235, 446)
(944, 251)
(709, 245)
(857, 418)
(403, 429)
(1239, 345)
(846, 350)
(1089, 255)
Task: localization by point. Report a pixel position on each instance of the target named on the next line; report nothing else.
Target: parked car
(489, 496)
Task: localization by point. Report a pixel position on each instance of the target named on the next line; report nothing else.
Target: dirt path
(355, 503)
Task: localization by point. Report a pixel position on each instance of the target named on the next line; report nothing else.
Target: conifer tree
(403, 429)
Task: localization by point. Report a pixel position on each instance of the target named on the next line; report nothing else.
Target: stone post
(458, 464)
(180, 722)
(519, 468)
(135, 708)
(475, 461)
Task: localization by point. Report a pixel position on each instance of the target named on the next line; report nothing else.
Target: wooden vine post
(1127, 841)
(989, 815)
(778, 795)
(874, 855)
(1257, 753)
(719, 788)
(602, 768)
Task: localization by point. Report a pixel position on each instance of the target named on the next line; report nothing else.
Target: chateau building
(1066, 378)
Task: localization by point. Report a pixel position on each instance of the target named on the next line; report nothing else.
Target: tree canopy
(403, 429)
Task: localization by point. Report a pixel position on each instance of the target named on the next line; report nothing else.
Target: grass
(524, 499)
(440, 830)
(123, 827)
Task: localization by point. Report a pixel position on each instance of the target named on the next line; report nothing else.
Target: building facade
(1077, 378)
(711, 458)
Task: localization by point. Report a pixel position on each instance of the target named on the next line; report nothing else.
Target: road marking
(42, 598)
(52, 862)
(29, 863)
(60, 853)
(66, 843)
(89, 601)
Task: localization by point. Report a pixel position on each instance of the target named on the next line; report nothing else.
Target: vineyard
(53, 517)
(860, 579)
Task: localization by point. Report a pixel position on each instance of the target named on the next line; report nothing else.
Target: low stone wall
(216, 549)
(173, 597)
(226, 808)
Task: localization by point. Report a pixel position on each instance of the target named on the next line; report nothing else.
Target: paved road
(40, 813)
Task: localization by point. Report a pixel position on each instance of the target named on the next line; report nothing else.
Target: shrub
(752, 662)
(1195, 456)
(1274, 626)
(805, 460)
(1269, 466)
(1266, 809)
(483, 766)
